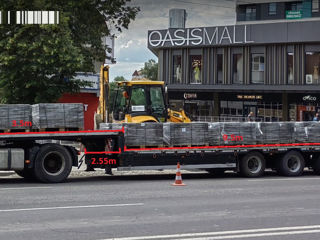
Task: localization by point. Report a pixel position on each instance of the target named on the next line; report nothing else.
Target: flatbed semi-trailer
(52, 163)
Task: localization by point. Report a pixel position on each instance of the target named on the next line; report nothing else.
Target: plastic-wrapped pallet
(143, 134)
(177, 134)
(270, 132)
(199, 133)
(313, 131)
(286, 132)
(214, 133)
(14, 112)
(58, 115)
(110, 126)
(154, 134)
(248, 133)
(301, 133)
(228, 129)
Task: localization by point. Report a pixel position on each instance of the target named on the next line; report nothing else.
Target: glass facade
(237, 68)
(239, 110)
(285, 65)
(220, 68)
(177, 69)
(312, 68)
(290, 64)
(257, 68)
(315, 5)
(251, 13)
(195, 69)
(272, 9)
(294, 6)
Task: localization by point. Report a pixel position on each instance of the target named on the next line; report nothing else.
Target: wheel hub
(254, 165)
(294, 164)
(53, 163)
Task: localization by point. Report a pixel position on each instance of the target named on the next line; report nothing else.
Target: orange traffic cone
(178, 181)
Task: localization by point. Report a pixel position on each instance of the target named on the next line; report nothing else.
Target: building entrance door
(306, 113)
(249, 108)
(191, 109)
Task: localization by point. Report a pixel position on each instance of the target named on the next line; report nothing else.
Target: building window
(195, 67)
(177, 70)
(220, 68)
(290, 65)
(312, 68)
(237, 68)
(257, 68)
(294, 6)
(315, 5)
(272, 9)
(251, 13)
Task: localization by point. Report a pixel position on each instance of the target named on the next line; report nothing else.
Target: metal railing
(224, 119)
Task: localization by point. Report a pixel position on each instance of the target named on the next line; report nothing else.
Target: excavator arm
(104, 94)
(176, 116)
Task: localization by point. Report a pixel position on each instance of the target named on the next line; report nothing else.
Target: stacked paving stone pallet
(110, 126)
(138, 134)
(14, 112)
(57, 115)
(143, 134)
(218, 133)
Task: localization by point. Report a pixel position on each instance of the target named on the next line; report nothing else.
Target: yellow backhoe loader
(136, 101)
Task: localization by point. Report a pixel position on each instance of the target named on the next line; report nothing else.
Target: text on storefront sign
(199, 36)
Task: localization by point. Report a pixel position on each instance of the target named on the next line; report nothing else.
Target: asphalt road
(139, 207)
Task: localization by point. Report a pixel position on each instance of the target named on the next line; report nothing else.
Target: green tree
(150, 69)
(38, 62)
(119, 79)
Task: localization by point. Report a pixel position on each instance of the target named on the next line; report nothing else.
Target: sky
(131, 51)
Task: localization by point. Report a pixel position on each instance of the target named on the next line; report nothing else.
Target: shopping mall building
(267, 63)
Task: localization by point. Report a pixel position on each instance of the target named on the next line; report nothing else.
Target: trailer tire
(53, 163)
(252, 164)
(291, 164)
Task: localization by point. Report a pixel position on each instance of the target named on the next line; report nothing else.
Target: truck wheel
(252, 164)
(26, 173)
(292, 164)
(53, 163)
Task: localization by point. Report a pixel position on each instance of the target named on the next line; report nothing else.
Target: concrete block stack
(214, 135)
(177, 134)
(143, 134)
(199, 133)
(17, 113)
(110, 126)
(58, 115)
(301, 131)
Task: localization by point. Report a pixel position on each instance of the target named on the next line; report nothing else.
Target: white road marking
(22, 188)
(258, 235)
(283, 179)
(288, 230)
(71, 207)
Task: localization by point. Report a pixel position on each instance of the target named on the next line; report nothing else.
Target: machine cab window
(138, 101)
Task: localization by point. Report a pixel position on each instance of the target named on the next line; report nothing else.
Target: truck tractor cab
(140, 101)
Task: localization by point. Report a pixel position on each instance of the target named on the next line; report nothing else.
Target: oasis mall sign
(200, 36)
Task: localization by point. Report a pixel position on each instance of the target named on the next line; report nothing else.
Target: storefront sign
(250, 97)
(189, 95)
(293, 14)
(309, 98)
(237, 34)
